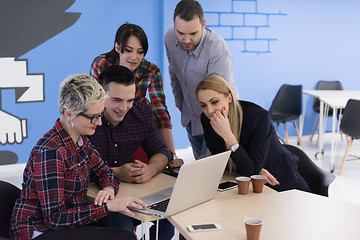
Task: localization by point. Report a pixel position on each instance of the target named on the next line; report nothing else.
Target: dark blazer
(259, 148)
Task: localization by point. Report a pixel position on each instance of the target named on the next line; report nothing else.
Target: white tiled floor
(346, 186)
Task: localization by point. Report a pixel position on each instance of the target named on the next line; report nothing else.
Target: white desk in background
(337, 104)
(335, 99)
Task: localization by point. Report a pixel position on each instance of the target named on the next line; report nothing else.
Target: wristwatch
(234, 147)
(173, 155)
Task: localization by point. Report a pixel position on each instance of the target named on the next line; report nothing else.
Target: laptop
(197, 182)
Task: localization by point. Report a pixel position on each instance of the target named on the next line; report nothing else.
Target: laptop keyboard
(160, 206)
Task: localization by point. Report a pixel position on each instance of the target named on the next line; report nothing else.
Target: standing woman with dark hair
(130, 48)
(246, 129)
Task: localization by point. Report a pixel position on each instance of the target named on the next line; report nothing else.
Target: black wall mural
(24, 25)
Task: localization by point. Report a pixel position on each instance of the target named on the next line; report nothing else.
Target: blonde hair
(78, 92)
(218, 84)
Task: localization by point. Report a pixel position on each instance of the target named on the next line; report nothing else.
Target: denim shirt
(211, 57)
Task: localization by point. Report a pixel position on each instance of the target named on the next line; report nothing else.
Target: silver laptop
(196, 183)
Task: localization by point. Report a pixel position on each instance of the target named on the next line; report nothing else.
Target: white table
(287, 215)
(157, 183)
(335, 99)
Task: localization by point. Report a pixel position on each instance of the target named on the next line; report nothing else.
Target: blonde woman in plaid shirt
(52, 201)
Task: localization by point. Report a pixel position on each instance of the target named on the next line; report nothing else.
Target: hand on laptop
(104, 195)
(122, 204)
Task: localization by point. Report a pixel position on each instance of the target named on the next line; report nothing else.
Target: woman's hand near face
(221, 125)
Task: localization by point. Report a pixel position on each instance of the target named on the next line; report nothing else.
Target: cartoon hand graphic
(11, 128)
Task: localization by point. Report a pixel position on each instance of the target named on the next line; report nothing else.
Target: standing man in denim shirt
(194, 52)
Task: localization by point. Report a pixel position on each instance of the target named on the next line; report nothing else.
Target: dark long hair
(122, 36)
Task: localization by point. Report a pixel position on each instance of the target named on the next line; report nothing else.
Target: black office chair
(318, 179)
(324, 85)
(8, 157)
(286, 107)
(350, 125)
(9, 193)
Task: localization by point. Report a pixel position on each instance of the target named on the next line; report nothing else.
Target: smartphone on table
(203, 227)
(171, 171)
(227, 185)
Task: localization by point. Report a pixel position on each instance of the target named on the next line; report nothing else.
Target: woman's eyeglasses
(94, 118)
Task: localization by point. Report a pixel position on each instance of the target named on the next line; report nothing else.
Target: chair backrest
(318, 179)
(9, 193)
(287, 100)
(8, 157)
(325, 85)
(350, 122)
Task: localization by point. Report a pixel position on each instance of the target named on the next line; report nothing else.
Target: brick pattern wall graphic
(245, 24)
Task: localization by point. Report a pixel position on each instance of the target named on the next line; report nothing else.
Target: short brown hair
(188, 9)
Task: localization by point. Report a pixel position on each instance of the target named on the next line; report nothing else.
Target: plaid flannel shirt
(55, 183)
(117, 145)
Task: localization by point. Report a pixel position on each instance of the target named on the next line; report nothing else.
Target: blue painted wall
(272, 42)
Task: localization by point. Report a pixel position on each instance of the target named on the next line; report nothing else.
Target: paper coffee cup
(253, 228)
(243, 185)
(257, 183)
